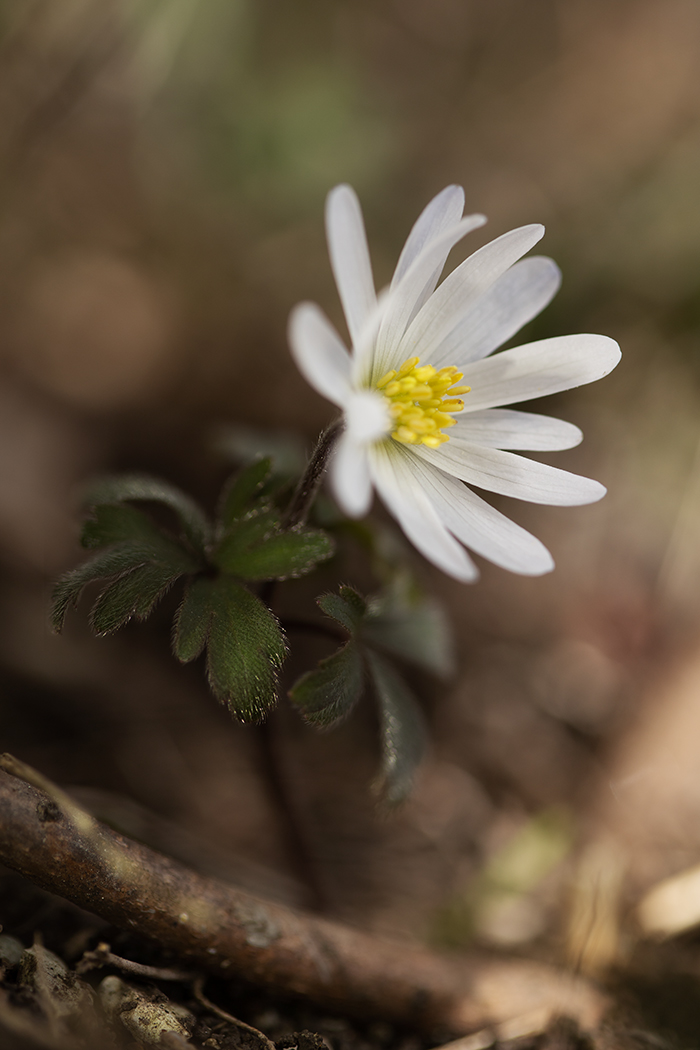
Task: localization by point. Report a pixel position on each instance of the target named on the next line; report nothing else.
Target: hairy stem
(300, 505)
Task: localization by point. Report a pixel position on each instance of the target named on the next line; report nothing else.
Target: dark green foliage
(116, 562)
(347, 607)
(192, 519)
(402, 623)
(243, 535)
(242, 489)
(280, 556)
(327, 694)
(256, 548)
(399, 620)
(140, 575)
(289, 554)
(402, 728)
(119, 523)
(141, 561)
(138, 561)
(133, 594)
(245, 645)
(191, 625)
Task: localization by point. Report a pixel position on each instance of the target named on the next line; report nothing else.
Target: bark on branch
(46, 837)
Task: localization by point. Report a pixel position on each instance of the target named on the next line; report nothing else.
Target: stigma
(420, 401)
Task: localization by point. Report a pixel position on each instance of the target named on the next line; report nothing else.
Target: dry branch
(46, 837)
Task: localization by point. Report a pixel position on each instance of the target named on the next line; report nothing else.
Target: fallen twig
(102, 956)
(225, 931)
(198, 990)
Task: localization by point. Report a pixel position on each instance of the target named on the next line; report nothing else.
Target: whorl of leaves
(138, 560)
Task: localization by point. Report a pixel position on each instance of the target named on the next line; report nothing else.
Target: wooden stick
(220, 929)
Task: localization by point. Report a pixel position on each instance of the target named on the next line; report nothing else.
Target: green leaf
(192, 620)
(245, 534)
(133, 594)
(402, 729)
(255, 548)
(241, 489)
(119, 523)
(416, 630)
(347, 607)
(114, 562)
(245, 645)
(280, 557)
(327, 694)
(143, 487)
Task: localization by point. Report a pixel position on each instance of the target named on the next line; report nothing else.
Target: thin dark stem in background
(291, 816)
(300, 505)
(292, 819)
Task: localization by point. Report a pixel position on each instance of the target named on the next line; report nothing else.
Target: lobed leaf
(329, 692)
(241, 489)
(124, 487)
(133, 594)
(120, 523)
(348, 608)
(245, 645)
(193, 619)
(117, 561)
(245, 534)
(402, 729)
(255, 548)
(283, 556)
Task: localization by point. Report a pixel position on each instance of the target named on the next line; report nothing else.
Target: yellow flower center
(420, 400)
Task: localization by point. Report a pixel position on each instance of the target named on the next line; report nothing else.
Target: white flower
(420, 365)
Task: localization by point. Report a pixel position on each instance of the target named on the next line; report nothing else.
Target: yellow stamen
(408, 365)
(420, 400)
(405, 435)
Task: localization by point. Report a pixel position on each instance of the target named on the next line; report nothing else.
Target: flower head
(422, 399)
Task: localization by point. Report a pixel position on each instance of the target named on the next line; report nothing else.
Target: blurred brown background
(163, 167)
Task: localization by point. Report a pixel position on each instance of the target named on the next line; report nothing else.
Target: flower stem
(306, 490)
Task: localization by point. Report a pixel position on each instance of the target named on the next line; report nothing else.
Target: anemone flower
(422, 393)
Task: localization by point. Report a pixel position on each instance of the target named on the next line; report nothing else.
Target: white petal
(363, 347)
(319, 352)
(366, 416)
(442, 214)
(507, 428)
(482, 528)
(350, 477)
(510, 475)
(498, 313)
(446, 306)
(538, 369)
(347, 246)
(412, 290)
(395, 480)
